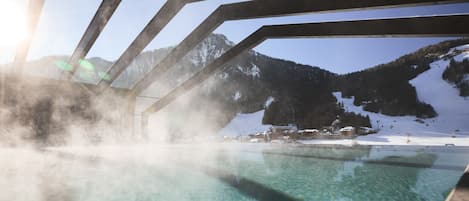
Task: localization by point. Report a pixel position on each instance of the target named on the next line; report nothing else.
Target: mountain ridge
(299, 94)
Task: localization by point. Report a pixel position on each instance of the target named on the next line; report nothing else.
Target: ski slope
(451, 126)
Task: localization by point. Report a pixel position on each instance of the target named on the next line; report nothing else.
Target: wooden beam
(156, 24)
(435, 26)
(34, 11)
(96, 26)
(261, 9)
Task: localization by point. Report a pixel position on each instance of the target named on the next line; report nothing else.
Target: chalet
(309, 132)
(349, 131)
(365, 131)
(277, 142)
(260, 136)
(284, 129)
(255, 140)
(275, 136)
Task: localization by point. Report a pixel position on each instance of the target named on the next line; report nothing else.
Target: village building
(348, 131)
(365, 131)
(284, 129)
(309, 132)
(260, 136)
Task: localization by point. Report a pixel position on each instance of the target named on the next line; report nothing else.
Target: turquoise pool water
(232, 172)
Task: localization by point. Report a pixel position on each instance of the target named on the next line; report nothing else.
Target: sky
(62, 24)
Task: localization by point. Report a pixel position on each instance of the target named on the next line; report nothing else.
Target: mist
(78, 140)
(59, 140)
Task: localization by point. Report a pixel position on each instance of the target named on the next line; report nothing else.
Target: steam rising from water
(55, 145)
(227, 172)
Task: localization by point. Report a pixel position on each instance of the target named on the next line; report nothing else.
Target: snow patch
(240, 68)
(466, 78)
(223, 75)
(460, 57)
(269, 101)
(386, 124)
(237, 95)
(208, 50)
(203, 53)
(244, 124)
(254, 71)
(462, 47)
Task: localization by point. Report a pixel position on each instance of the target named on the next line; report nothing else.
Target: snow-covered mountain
(420, 84)
(256, 90)
(449, 127)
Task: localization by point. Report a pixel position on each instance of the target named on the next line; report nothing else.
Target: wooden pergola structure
(426, 26)
(432, 26)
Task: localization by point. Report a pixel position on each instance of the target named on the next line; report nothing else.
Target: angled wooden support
(96, 26)
(34, 11)
(435, 26)
(461, 192)
(156, 24)
(261, 9)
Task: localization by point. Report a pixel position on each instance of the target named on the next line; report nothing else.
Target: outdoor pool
(231, 172)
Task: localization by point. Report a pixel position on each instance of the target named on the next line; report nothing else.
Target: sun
(13, 23)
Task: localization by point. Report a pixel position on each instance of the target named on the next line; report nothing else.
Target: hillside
(449, 127)
(387, 90)
(457, 71)
(277, 91)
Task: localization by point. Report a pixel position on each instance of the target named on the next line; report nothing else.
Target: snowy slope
(398, 130)
(452, 119)
(244, 124)
(386, 124)
(452, 109)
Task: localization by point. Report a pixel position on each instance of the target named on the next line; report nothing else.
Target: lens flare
(13, 23)
(65, 66)
(86, 64)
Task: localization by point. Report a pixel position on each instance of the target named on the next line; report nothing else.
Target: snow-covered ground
(244, 124)
(451, 126)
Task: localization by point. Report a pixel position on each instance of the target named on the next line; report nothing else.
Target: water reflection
(231, 172)
(349, 174)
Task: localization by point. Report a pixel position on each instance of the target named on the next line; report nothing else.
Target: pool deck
(461, 192)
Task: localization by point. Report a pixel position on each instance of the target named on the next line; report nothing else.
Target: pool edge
(461, 191)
